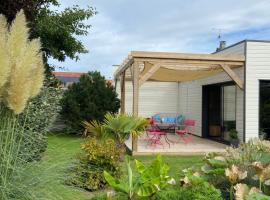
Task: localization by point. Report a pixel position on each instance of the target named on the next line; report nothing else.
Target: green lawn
(52, 170)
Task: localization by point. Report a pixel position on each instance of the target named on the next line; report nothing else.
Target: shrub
(199, 192)
(89, 99)
(97, 156)
(37, 119)
(147, 183)
(116, 126)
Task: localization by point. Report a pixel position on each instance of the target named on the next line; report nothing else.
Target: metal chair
(186, 130)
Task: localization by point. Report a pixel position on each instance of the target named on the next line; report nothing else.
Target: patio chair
(186, 130)
(155, 139)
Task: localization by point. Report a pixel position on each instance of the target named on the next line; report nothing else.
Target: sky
(186, 26)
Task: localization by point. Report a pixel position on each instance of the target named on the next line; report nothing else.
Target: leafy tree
(56, 29)
(89, 99)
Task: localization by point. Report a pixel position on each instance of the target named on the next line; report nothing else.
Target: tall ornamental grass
(21, 78)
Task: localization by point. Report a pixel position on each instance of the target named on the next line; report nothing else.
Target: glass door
(264, 109)
(228, 110)
(219, 111)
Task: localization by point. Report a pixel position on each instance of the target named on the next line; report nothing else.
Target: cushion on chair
(180, 119)
(157, 118)
(169, 120)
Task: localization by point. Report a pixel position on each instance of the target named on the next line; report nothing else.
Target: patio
(140, 67)
(198, 146)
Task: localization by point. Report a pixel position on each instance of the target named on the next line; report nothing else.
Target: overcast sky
(165, 25)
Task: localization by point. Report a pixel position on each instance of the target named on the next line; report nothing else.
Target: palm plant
(117, 126)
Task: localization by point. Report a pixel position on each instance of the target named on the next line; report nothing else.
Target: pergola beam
(148, 74)
(189, 62)
(185, 56)
(233, 76)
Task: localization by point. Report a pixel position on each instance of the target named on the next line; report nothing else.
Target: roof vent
(222, 45)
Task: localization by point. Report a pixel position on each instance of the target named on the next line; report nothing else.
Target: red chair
(155, 139)
(154, 134)
(186, 130)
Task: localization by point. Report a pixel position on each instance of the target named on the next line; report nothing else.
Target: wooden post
(135, 106)
(123, 92)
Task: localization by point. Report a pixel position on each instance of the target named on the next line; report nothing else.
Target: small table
(166, 127)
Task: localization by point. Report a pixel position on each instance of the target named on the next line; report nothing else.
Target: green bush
(199, 192)
(89, 99)
(37, 119)
(97, 156)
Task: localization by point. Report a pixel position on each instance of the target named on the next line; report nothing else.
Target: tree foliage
(56, 29)
(89, 99)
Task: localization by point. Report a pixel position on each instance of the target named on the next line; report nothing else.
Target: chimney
(222, 45)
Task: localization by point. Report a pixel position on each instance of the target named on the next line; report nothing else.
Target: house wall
(191, 99)
(190, 92)
(154, 97)
(257, 68)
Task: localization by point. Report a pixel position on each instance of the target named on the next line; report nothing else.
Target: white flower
(172, 181)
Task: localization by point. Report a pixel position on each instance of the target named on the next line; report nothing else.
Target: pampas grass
(4, 58)
(24, 73)
(21, 77)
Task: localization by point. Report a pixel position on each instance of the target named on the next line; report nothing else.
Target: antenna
(220, 32)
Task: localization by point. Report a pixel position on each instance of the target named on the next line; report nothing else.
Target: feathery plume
(18, 35)
(4, 57)
(25, 62)
(38, 68)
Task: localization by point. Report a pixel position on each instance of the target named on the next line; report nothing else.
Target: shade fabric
(178, 74)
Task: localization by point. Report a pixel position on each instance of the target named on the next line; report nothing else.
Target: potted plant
(234, 140)
(262, 134)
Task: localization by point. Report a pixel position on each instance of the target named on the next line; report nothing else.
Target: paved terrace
(198, 146)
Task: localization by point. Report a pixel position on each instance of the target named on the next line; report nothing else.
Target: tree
(89, 99)
(57, 30)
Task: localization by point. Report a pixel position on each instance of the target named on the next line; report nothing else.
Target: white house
(221, 91)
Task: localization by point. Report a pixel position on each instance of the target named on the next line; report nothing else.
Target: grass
(52, 170)
(53, 167)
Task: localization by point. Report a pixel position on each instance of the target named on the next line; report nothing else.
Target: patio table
(166, 126)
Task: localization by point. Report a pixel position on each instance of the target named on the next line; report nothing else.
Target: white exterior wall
(190, 101)
(154, 97)
(257, 68)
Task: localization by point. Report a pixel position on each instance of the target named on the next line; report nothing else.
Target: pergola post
(135, 106)
(123, 92)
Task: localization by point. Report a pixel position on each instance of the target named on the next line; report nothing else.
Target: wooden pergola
(141, 66)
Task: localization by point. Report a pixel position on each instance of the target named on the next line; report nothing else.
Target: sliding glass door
(219, 111)
(264, 109)
(229, 108)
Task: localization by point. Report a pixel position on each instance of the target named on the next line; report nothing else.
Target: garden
(88, 159)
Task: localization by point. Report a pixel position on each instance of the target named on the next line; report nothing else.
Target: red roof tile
(68, 74)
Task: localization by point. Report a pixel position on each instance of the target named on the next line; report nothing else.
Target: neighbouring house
(228, 89)
(67, 78)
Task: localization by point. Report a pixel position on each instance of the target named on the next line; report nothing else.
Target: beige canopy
(141, 66)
